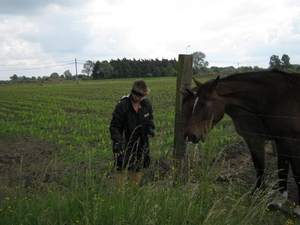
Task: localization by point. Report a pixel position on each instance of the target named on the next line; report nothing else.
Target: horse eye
(202, 104)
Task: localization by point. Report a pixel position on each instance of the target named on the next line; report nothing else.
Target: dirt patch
(21, 160)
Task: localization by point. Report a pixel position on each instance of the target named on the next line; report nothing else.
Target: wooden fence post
(184, 78)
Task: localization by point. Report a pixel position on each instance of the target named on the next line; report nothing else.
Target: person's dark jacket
(123, 120)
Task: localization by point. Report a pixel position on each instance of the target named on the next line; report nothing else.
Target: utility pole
(76, 69)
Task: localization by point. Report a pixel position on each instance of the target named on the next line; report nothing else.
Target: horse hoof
(296, 211)
(278, 201)
(274, 206)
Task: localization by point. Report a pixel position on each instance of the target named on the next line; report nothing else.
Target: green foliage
(143, 68)
(88, 67)
(199, 61)
(54, 75)
(284, 63)
(96, 70)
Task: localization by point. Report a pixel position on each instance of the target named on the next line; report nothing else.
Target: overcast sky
(38, 37)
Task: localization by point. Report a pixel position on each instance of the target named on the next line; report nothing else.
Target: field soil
(28, 163)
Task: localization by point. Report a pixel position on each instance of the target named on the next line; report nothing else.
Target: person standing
(131, 127)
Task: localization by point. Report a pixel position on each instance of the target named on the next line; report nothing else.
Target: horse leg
(274, 149)
(283, 170)
(257, 150)
(295, 164)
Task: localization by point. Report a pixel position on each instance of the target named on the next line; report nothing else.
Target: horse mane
(290, 78)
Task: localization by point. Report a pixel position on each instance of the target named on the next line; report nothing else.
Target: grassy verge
(85, 198)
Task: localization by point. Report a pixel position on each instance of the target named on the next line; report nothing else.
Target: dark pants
(134, 159)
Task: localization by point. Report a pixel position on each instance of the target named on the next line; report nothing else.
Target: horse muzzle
(193, 138)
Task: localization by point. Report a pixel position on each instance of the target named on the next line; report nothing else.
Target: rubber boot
(136, 178)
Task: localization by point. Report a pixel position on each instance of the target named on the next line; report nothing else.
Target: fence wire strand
(268, 136)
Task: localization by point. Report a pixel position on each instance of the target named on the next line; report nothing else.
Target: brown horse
(263, 105)
(257, 150)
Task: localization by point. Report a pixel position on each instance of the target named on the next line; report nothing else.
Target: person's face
(137, 98)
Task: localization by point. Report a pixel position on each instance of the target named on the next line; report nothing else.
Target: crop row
(75, 115)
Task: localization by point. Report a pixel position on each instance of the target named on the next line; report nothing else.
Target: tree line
(140, 68)
(123, 68)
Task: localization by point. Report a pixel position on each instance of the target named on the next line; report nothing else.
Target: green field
(56, 162)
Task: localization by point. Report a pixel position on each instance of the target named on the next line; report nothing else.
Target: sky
(39, 37)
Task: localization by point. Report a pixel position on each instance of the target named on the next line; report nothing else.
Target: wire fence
(267, 136)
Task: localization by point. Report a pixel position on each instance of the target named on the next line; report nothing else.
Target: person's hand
(116, 155)
(151, 133)
(117, 150)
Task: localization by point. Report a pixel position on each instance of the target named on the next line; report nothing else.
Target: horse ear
(191, 92)
(198, 83)
(214, 84)
(181, 91)
(188, 91)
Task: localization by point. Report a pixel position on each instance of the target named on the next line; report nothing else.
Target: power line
(36, 68)
(35, 64)
(40, 66)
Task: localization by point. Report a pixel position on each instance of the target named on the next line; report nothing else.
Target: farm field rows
(56, 162)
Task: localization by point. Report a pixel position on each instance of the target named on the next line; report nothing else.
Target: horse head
(187, 106)
(207, 111)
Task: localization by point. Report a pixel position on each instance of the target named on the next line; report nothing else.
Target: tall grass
(98, 200)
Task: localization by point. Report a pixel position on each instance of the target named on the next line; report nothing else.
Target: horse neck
(258, 92)
(240, 96)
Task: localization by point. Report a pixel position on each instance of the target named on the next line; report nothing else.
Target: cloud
(235, 32)
(32, 7)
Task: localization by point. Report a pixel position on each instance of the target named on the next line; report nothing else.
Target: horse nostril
(192, 138)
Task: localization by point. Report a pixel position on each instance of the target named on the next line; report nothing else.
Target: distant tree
(199, 61)
(245, 69)
(54, 75)
(136, 68)
(163, 72)
(24, 79)
(256, 68)
(275, 62)
(170, 71)
(14, 78)
(285, 61)
(127, 70)
(45, 78)
(156, 72)
(68, 75)
(88, 67)
(118, 71)
(106, 70)
(216, 70)
(96, 70)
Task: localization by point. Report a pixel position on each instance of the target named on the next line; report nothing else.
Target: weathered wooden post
(184, 78)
